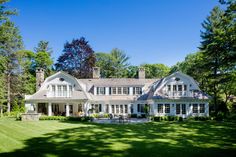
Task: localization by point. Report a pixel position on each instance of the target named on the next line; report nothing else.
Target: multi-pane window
(132, 108)
(59, 88)
(195, 108)
(53, 90)
(119, 90)
(137, 90)
(55, 108)
(64, 90)
(202, 108)
(185, 87)
(126, 108)
(121, 108)
(112, 108)
(70, 90)
(160, 108)
(167, 108)
(117, 108)
(126, 90)
(183, 108)
(113, 90)
(169, 87)
(174, 87)
(102, 90)
(179, 87)
(177, 108)
(107, 108)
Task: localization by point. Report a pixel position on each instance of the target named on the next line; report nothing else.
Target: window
(169, 88)
(185, 87)
(138, 108)
(71, 109)
(195, 108)
(96, 108)
(202, 108)
(132, 108)
(177, 108)
(174, 87)
(119, 90)
(142, 108)
(107, 108)
(121, 108)
(126, 108)
(80, 108)
(113, 90)
(138, 90)
(112, 109)
(55, 108)
(53, 90)
(70, 90)
(92, 107)
(167, 108)
(183, 108)
(117, 109)
(126, 90)
(64, 89)
(160, 108)
(179, 87)
(100, 108)
(101, 90)
(59, 90)
(109, 90)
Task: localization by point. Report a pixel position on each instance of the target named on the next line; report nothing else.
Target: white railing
(180, 94)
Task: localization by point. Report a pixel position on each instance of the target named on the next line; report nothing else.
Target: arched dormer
(61, 84)
(176, 85)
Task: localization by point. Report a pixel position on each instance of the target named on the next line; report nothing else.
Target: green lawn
(54, 138)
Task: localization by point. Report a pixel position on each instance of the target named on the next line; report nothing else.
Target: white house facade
(62, 94)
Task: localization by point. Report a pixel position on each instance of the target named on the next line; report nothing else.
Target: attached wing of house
(62, 94)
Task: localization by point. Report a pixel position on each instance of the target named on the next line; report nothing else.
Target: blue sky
(149, 31)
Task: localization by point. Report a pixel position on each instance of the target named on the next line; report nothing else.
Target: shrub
(52, 118)
(143, 116)
(134, 116)
(170, 118)
(180, 119)
(157, 119)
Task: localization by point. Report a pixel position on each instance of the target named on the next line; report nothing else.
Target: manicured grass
(54, 138)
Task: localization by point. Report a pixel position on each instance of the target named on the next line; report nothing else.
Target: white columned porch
(67, 110)
(49, 109)
(36, 107)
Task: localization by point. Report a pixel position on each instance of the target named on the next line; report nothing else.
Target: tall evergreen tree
(43, 46)
(78, 58)
(10, 42)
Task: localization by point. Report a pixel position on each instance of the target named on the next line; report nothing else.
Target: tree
(78, 58)
(10, 42)
(5, 12)
(218, 49)
(156, 70)
(43, 46)
(120, 62)
(113, 64)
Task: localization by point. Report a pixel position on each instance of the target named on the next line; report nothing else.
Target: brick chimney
(96, 72)
(39, 77)
(141, 73)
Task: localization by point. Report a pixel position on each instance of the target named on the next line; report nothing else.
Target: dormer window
(61, 79)
(177, 79)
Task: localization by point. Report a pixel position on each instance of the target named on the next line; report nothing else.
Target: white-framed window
(167, 108)
(101, 90)
(202, 108)
(126, 90)
(137, 90)
(160, 108)
(64, 89)
(59, 88)
(53, 90)
(119, 90)
(113, 90)
(195, 108)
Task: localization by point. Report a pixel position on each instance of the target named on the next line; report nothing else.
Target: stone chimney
(141, 73)
(96, 72)
(39, 77)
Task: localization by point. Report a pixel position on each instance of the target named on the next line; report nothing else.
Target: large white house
(62, 94)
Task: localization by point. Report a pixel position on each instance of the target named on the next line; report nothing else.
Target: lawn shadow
(151, 139)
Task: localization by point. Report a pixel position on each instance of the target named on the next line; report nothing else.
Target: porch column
(49, 109)
(67, 110)
(36, 107)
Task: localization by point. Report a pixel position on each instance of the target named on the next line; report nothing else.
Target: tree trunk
(8, 92)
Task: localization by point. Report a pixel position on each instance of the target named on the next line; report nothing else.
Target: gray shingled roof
(118, 82)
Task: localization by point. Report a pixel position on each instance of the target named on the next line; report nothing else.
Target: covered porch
(60, 108)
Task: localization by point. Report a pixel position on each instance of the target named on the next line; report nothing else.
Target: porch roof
(42, 95)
